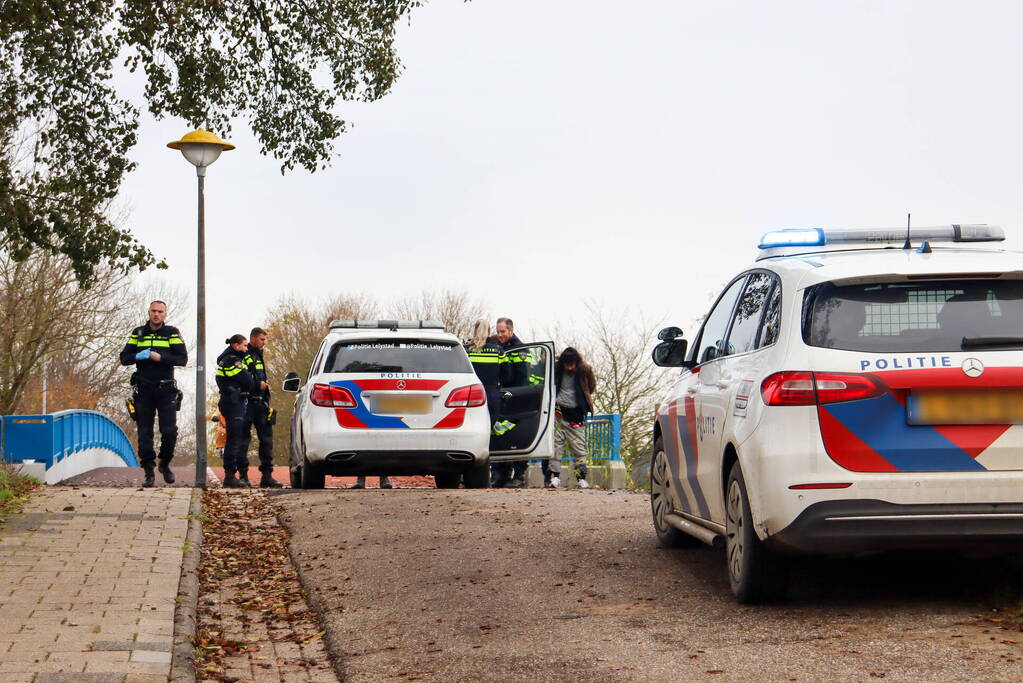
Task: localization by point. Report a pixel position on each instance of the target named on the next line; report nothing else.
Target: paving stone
(70, 578)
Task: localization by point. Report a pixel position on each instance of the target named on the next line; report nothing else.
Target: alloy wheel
(734, 528)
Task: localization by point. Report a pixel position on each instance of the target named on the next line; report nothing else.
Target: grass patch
(14, 489)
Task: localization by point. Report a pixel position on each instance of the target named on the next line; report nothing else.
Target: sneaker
(583, 484)
(515, 483)
(555, 482)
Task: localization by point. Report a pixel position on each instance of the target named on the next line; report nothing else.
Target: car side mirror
(292, 382)
(669, 333)
(671, 354)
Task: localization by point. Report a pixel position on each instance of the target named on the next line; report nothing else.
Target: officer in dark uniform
(259, 414)
(235, 384)
(514, 373)
(155, 349)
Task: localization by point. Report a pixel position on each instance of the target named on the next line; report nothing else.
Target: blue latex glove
(143, 355)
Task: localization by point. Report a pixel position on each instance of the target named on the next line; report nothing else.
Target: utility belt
(138, 384)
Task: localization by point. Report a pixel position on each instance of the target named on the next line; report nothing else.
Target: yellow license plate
(402, 405)
(969, 407)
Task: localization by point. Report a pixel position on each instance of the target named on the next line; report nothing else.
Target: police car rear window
(935, 315)
(397, 355)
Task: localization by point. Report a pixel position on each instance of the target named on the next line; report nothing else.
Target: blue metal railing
(51, 438)
(603, 439)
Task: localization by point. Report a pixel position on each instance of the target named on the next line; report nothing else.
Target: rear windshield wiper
(976, 342)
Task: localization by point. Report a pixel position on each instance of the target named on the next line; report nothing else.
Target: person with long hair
(574, 384)
(485, 356)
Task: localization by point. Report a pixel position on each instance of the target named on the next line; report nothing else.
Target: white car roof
(850, 266)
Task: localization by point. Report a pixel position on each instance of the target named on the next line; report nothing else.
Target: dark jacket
(487, 363)
(233, 379)
(254, 364)
(166, 341)
(585, 384)
(515, 369)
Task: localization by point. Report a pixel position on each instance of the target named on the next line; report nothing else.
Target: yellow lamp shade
(201, 147)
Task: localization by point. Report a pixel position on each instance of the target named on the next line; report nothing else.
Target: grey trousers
(575, 435)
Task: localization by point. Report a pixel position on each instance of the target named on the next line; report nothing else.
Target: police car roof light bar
(387, 324)
(819, 237)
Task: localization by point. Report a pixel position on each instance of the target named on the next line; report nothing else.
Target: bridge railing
(52, 438)
(603, 439)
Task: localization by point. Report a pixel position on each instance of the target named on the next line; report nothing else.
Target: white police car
(847, 392)
(401, 398)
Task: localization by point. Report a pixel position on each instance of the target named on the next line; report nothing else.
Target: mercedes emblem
(401, 382)
(973, 367)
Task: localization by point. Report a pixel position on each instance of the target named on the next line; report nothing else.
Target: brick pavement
(88, 584)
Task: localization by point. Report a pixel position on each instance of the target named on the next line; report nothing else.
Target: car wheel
(296, 477)
(447, 480)
(313, 475)
(756, 575)
(660, 501)
(478, 477)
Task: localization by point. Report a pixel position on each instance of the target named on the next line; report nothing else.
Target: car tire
(755, 574)
(296, 477)
(447, 480)
(478, 477)
(313, 475)
(660, 501)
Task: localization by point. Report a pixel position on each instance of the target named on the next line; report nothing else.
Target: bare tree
(456, 309)
(46, 315)
(617, 346)
(295, 328)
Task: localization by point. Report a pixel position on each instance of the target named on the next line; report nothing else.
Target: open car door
(527, 401)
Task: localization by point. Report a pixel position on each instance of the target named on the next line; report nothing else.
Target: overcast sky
(542, 153)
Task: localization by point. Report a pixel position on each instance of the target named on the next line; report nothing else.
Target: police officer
(514, 373)
(155, 348)
(236, 384)
(259, 414)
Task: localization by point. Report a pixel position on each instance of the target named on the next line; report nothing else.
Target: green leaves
(65, 132)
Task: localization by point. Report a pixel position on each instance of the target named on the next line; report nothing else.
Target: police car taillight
(471, 396)
(329, 396)
(800, 388)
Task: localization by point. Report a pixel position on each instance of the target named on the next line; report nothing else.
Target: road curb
(333, 647)
(183, 652)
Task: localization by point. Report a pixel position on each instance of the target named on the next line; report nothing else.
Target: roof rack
(791, 241)
(387, 324)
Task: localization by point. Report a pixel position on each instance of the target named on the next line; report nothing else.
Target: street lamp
(201, 148)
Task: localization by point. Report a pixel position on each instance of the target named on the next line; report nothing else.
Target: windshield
(937, 315)
(397, 355)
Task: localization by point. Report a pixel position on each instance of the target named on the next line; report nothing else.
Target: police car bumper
(350, 463)
(859, 525)
(406, 451)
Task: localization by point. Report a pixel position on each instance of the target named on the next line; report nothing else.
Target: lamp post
(201, 148)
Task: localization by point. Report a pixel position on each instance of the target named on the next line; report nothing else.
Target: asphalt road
(481, 585)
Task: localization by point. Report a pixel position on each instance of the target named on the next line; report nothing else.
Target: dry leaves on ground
(252, 611)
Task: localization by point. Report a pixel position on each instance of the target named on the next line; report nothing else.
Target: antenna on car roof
(907, 245)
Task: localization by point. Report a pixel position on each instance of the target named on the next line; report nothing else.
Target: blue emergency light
(779, 241)
(802, 237)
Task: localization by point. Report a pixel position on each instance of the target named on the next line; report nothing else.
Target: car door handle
(692, 389)
(722, 384)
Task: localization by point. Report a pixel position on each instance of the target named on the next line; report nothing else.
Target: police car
(852, 390)
(401, 398)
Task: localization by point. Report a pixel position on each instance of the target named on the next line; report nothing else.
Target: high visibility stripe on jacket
(486, 363)
(166, 341)
(233, 378)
